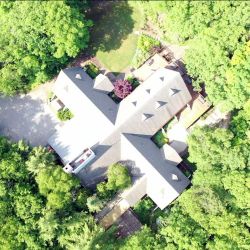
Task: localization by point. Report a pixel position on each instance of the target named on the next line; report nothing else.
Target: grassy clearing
(112, 38)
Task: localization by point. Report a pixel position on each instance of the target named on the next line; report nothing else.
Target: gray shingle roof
(86, 85)
(150, 161)
(131, 115)
(118, 132)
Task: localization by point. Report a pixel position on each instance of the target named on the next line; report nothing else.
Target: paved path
(119, 209)
(28, 117)
(216, 117)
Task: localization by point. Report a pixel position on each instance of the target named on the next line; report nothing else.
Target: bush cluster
(122, 88)
(134, 81)
(64, 114)
(118, 179)
(92, 70)
(146, 46)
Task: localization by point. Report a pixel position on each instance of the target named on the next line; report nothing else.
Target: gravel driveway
(28, 117)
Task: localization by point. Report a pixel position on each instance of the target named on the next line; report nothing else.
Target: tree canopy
(118, 177)
(216, 33)
(213, 212)
(38, 40)
(41, 207)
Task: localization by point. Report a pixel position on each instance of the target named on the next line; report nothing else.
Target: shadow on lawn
(112, 24)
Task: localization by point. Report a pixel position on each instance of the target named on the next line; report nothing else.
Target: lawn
(113, 40)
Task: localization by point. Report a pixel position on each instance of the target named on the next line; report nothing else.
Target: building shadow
(24, 118)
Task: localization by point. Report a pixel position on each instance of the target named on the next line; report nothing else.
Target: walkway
(193, 112)
(215, 117)
(119, 209)
(128, 198)
(178, 133)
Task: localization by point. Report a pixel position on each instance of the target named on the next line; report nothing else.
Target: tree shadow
(113, 22)
(26, 118)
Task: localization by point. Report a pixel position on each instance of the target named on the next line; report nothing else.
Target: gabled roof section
(103, 83)
(151, 103)
(170, 155)
(161, 186)
(79, 95)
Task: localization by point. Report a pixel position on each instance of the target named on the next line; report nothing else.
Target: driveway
(28, 117)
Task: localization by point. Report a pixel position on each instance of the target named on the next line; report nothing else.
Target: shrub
(115, 98)
(134, 81)
(160, 139)
(146, 46)
(122, 88)
(103, 192)
(147, 43)
(92, 70)
(143, 210)
(94, 203)
(118, 177)
(64, 114)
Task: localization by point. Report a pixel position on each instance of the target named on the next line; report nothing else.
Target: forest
(41, 207)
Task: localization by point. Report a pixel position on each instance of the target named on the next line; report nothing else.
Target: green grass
(113, 40)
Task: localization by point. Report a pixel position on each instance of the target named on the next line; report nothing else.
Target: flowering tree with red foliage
(122, 88)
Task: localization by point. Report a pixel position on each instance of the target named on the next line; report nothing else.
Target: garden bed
(125, 88)
(146, 47)
(160, 137)
(92, 70)
(116, 99)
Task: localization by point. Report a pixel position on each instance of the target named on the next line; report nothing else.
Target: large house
(103, 132)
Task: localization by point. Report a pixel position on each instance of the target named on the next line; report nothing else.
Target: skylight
(66, 88)
(173, 91)
(78, 76)
(134, 103)
(159, 104)
(146, 116)
(175, 177)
